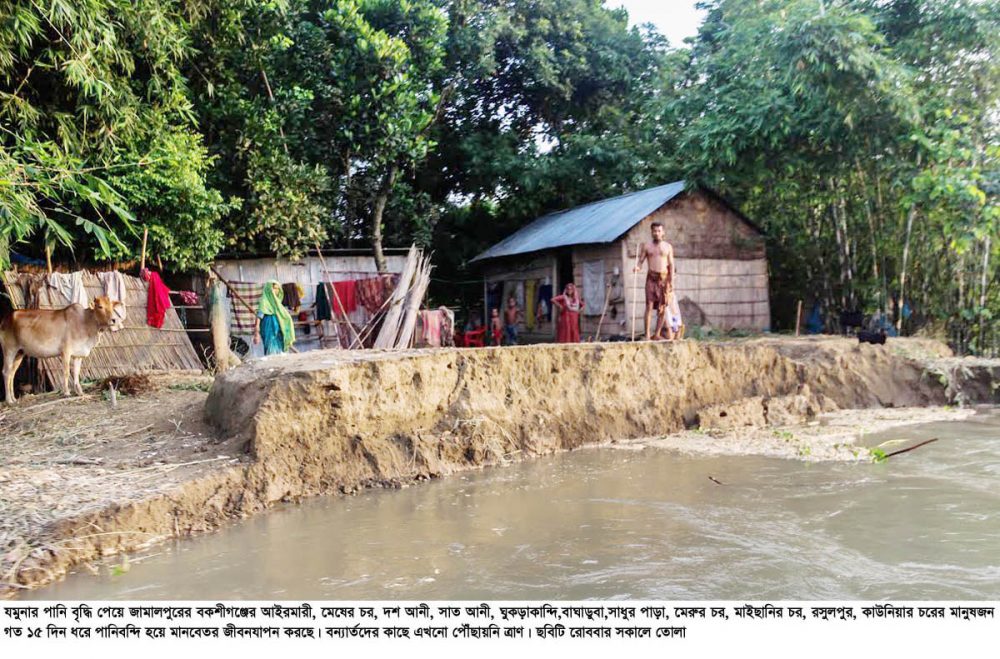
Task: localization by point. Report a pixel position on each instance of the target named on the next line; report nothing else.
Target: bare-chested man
(659, 281)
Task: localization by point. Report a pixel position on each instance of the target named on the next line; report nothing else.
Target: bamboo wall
(136, 348)
(722, 275)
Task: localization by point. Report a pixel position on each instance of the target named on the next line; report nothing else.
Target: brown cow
(70, 333)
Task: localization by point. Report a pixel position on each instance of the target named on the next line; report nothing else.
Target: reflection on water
(605, 523)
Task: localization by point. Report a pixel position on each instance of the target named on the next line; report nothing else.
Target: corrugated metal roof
(598, 222)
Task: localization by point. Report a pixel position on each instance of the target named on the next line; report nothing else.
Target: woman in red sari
(570, 304)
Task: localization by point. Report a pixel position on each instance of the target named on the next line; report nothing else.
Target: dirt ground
(64, 458)
(81, 478)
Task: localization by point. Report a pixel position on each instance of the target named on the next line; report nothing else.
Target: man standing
(659, 280)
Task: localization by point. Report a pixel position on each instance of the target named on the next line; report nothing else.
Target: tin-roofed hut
(722, 276)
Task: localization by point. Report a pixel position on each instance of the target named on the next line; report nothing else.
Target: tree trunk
(981, 341)
(380, 201)
(902, 272)
(843, 252)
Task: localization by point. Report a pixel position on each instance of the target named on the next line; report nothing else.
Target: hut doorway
(564, 268)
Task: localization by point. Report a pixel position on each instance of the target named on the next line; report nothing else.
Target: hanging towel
(31, 286)
(345, 301)
(593, 288)
(244, 315)
(114, 288)
(529, 303)
(70, 287)
(158, 300)
(292, 299)
(431, 322)
(270, 305)
(370, 293)
(323, 309)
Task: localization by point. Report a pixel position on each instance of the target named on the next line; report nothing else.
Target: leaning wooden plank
(413, 301)
(390, 325)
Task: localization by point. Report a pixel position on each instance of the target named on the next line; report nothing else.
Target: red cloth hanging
(346, 300)
(158, 300)
(369, 293)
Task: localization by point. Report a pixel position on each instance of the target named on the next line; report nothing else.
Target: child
(510, 318)
(496, 328)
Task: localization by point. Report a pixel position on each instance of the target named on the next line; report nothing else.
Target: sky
(676, 19)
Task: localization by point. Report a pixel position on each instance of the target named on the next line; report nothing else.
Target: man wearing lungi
(659, 254)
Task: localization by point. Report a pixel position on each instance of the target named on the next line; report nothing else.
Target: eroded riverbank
(330, 422)
(601, 523)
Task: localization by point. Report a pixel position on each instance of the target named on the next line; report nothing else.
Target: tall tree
(91, 94)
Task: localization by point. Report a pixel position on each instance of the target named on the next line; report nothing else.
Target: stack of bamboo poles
(400, 318)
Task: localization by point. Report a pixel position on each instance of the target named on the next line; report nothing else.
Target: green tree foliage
(321, 104)
(863, 136)
(861, 133)
(91, 91)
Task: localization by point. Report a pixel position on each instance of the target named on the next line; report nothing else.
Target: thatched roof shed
(135, 348)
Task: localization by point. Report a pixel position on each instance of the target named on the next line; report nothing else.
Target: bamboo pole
(905, 450)
(336, 297)
(607, 299)
(235, 293)
(389, 332)
(145, 236)
(635, 295)
(798, 319)
(48, 257)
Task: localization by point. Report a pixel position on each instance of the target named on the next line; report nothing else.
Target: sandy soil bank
(81, 480)
(836, 435)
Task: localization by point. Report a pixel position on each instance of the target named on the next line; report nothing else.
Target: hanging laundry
(292, 300)
(370, 293)
(31, 286)
(594, 292)
(114, 288)
(430, 320)
(323, 308)
(70, 287)
(345, 300)
(244, 313)
(189, 298)
(530, 301)
(158, 300)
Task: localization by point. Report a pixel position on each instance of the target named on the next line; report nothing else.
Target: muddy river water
(613, 523)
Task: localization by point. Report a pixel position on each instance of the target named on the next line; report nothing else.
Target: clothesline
(300, 283)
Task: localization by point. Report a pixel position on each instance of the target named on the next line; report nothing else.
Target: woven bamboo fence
(135, 348)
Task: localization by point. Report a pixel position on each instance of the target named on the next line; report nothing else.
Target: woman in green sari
(274, 323)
